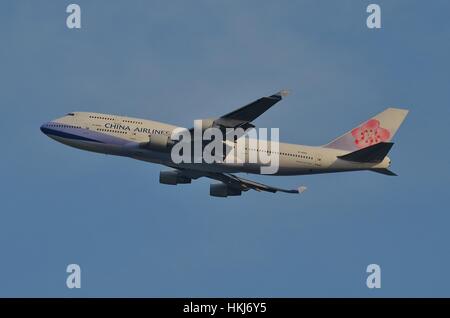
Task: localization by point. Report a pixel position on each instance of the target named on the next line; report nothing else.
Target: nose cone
(44, 128)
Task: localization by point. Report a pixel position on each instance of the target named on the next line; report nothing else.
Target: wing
(250, 112)
(244, 184)
(242, 117)
(236, 183)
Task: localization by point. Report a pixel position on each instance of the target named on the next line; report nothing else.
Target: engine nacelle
(158, 142)
(172, 178)
(222, 190)
(207, 123)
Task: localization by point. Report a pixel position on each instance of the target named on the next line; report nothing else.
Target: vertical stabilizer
(380, 128)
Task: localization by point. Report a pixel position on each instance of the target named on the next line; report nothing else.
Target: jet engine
(222, 190)
(173, 178)
(158, 142)
(207, 123)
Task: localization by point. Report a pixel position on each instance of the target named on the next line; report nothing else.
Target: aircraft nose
(44, 128)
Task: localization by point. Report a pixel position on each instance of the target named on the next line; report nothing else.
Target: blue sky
(176, 61)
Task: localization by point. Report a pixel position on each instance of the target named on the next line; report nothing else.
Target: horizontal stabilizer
(374, 153)
(384, 171)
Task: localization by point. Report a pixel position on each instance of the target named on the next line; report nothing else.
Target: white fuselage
(122, 136)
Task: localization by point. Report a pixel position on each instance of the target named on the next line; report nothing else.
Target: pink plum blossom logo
(370, 133)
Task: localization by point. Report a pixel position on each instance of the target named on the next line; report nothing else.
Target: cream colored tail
(380, 128)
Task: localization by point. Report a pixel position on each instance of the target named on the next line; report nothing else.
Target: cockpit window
(70, 114)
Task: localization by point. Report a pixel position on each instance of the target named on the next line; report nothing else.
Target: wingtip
(283, 93)
(302, 189)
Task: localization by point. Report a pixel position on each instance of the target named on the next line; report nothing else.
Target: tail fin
(380, 128)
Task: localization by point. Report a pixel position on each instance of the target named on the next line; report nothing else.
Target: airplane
(365, 147)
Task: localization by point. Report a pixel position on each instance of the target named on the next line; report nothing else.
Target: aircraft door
(318, 160)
